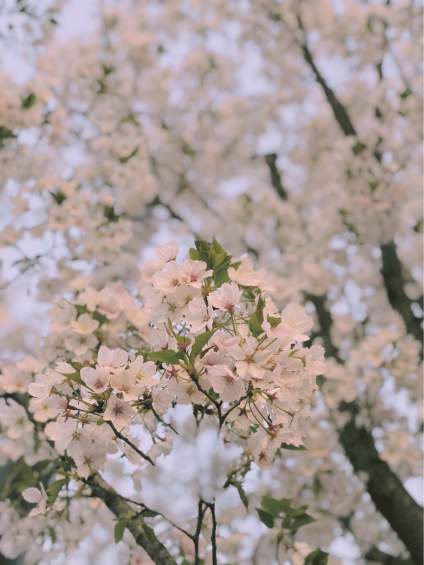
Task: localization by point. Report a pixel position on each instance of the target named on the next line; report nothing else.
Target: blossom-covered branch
(210, 366)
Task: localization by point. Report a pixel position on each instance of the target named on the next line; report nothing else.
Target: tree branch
(130, 443)
(271, 161)
(143, 534)
(340, 113)
(391, 269)
(213, 534)
(387, 492)
(196, 538)
(385, 488)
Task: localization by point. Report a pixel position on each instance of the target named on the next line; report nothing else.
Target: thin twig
(130, 443)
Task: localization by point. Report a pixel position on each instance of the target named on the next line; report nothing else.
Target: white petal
(65, 368)
(39, 390)
(32, 495)
(88, 373)
(120, 357)
(105, 355)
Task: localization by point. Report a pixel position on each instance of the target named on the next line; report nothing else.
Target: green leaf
(126, 158)
(59, 197)
(273, 321)
(221, 261)
(53, 535)
(99, 317)
(358, 148)
(110, 214)
(257, 318)
(149, 533)
(296, 518)
(316, 557)
(194, 254)
(320, 380)
(5, 133)
(149, 514)
(54, 489)
(74, 377)
(213, 254)
(215, 257)
(292, 447)
(242, 494)
(200, 341)
(29, 101)
(300, 521)
(213, 394)
(405, 94)
(273, 506)
(165, 356)
(266, 518)
(218, 254)
(220, 274)
(202, 248)
(119, 529)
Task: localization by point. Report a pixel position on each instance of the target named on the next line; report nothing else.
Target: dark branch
(325, 322)
(130, 443)
(339, 111)
(391, 271)
(392, 268)
(387, 492)
(385, 488)
(143, 534)
(196, 538)
(213, 534)
(271, 161)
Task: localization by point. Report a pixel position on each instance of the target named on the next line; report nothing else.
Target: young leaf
(59, 197)
(54, 489)
(203, 251)
(292, 447)
(119, 530)
(273, 321)
(242, 494)
(320, 380)
(218, 254)
(29, 101)
(316, 557)
(296, 518)
(126, 158)
(5, 133)
(165, 356)
(110, 214)
(257, 318)
(53, 535)
(149, 514)
(150, 534)
(194, 254)
(200, 341)
(220, 274)
(266, 518)
(300, 521)
(273, 506)
(74, 377)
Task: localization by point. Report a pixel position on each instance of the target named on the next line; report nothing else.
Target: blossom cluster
(202, 341)
(222, 346)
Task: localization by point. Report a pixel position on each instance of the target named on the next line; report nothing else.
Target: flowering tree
(176, 405)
